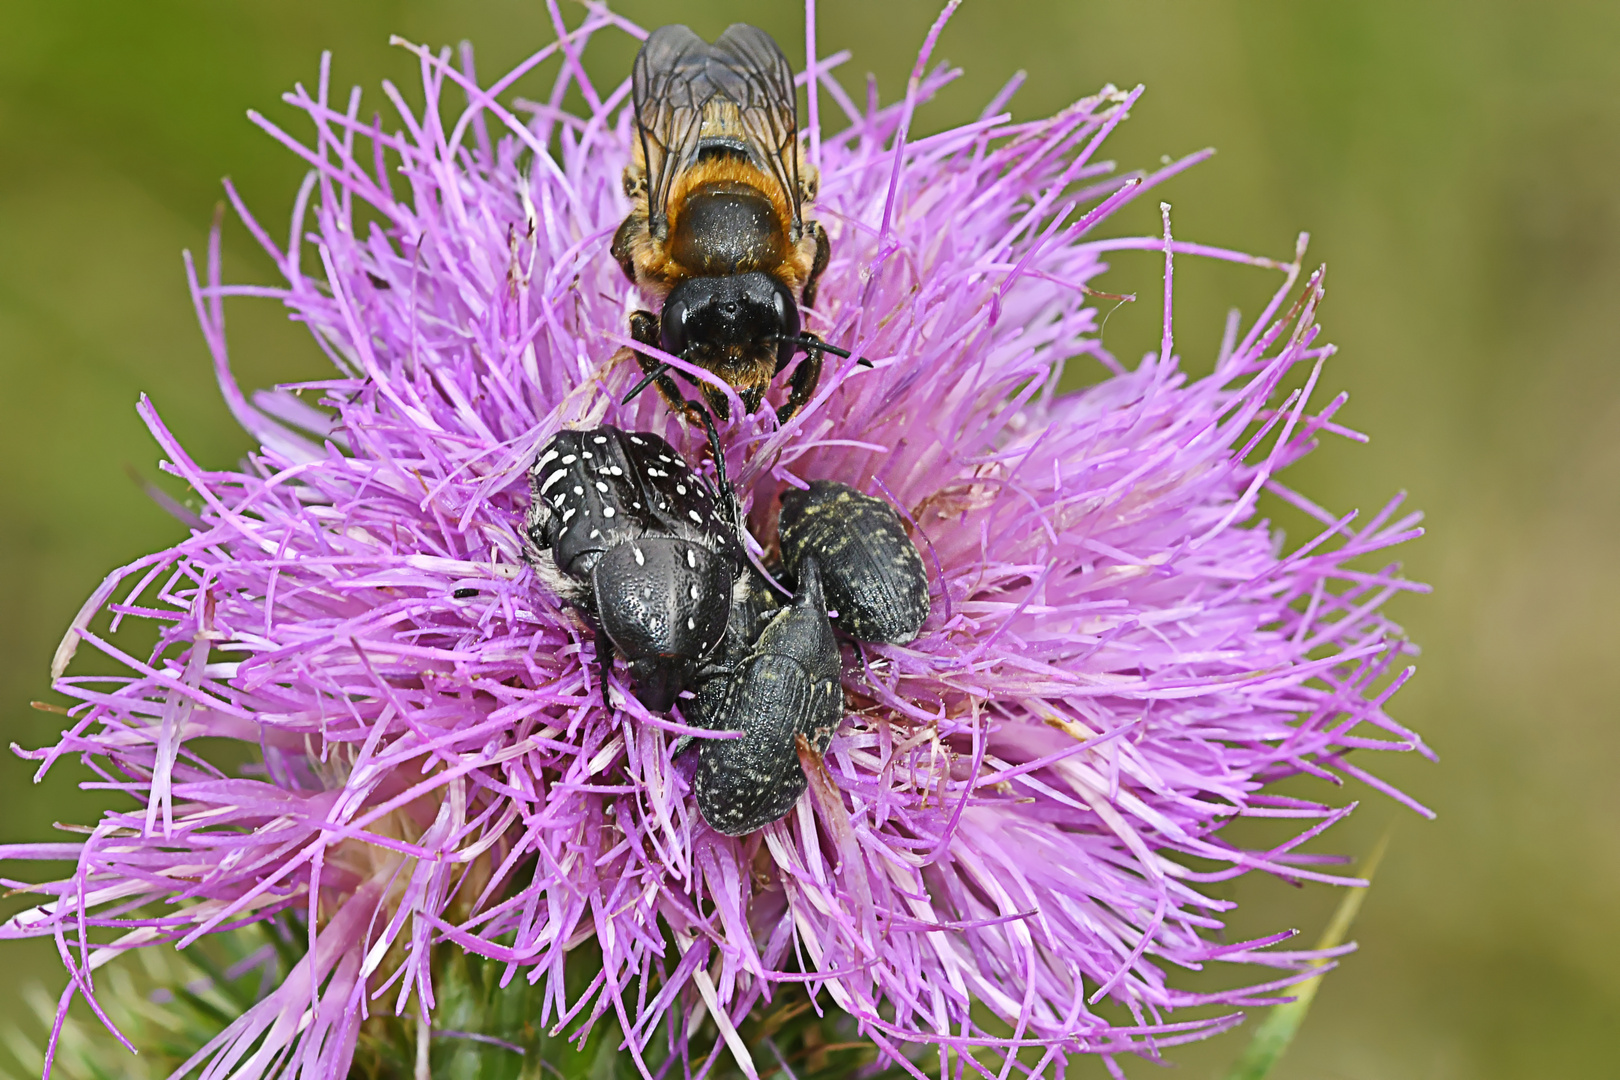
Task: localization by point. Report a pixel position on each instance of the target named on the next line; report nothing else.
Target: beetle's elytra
(655, 556)
(786, 686)
(871, 571)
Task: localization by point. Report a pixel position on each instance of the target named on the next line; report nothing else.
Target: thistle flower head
(1022, 810)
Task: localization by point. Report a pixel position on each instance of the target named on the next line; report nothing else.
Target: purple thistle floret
(1022, 808)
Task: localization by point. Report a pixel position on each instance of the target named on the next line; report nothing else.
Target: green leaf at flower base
(167, 1003)
(1283, 1022)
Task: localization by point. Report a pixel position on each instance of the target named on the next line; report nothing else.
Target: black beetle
(785, 686)
(870, 569)
(639, 542)
(754, 602)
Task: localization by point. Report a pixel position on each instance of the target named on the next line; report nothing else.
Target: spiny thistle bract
(1018, 819)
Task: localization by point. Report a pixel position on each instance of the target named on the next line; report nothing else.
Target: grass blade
(1282, 1022)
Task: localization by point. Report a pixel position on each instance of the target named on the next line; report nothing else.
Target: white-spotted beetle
(641, 543)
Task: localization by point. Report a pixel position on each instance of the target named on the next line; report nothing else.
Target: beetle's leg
(604, 662)
(817, 264)
(804, 379)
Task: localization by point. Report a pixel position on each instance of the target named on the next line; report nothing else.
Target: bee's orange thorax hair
(727, 170)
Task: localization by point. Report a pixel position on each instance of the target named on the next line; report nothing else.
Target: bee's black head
(736, 317)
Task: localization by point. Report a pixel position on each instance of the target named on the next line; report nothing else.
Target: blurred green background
(1456, 163)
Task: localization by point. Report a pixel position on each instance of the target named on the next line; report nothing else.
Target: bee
(719, 184)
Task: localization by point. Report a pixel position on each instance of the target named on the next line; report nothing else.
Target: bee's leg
(804, 380)
(817, 264)
(730, 509)
(644, 328)
(624, 242)
(716, 399)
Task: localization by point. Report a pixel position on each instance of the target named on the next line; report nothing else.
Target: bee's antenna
(650, 378)
(811, 341)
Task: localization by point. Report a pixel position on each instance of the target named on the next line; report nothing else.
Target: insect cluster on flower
(637, 538)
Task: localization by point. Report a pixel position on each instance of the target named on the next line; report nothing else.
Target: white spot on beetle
(691, 623)
(578, 490)
(694, 591)
(691, 559)
(680, 489)
(607, 511)
(601, 486)
(570, 459)
(641, 560)
(552, 479)
(637, 440)
(599, 440)
(549, 455)
(695, 516)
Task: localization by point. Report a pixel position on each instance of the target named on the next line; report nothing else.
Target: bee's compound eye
(787, 311)
(672, 327)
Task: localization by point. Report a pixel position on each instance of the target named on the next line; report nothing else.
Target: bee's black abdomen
(787, 686)
(870, 569)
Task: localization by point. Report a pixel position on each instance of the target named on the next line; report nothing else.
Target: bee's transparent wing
(680, 80)
(768, 106)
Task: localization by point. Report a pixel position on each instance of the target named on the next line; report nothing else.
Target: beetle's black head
(659, 680)
(663, 602)
(730, 321)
